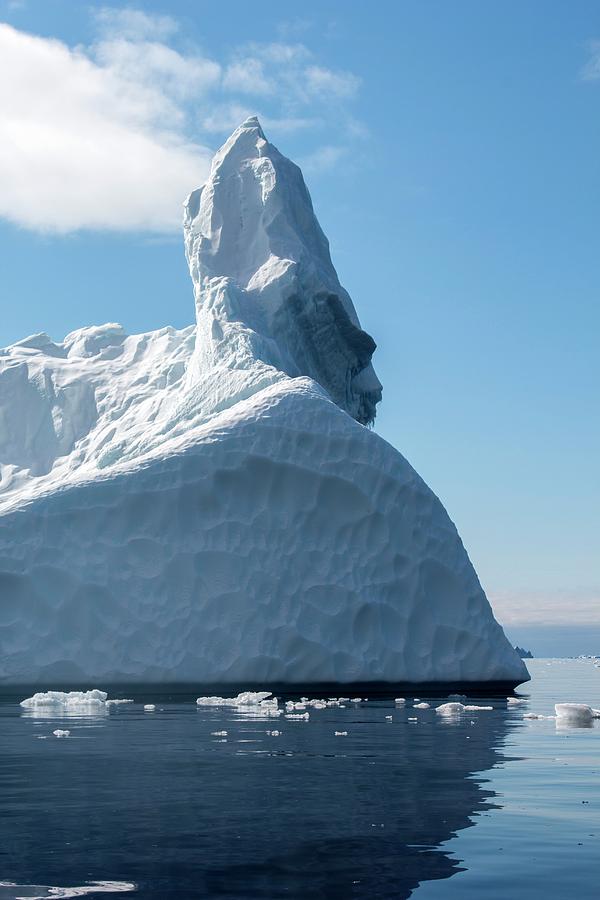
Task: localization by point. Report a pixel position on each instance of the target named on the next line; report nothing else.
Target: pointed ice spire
(258, 256)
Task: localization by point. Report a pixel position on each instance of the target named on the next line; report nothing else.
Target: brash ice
(207, 504)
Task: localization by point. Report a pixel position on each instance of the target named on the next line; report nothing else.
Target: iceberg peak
(264, 283)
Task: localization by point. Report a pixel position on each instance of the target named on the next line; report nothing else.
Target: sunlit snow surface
(207, 505)
(223, 800)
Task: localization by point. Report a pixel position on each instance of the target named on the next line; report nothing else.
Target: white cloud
(591, 70)
(112, 135)
(79, 146)
(326, 82)
(135, 24)
(248, 77)
(323, 159)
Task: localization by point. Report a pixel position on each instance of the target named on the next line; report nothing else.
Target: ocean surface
(155, 804)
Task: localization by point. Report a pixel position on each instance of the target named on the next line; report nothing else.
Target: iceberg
(210, 505)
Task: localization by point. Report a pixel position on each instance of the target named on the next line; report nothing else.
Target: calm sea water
(154, 805)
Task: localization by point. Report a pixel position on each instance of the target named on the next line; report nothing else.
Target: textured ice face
(264, 283)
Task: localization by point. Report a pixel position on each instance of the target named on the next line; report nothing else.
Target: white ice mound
(69, 700)
(577, 713)
(206, 505)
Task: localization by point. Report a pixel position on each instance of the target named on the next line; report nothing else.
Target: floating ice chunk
(450, 709)
(577, 713)
(61, 732)
(516, 701)
(412, 719)
(356, 700)
(416, 699)
(24, 891)
(473, 707)
(400, 701)
(340, 733)
(117, 702)
(246, 698)
(219, 733)
(149, 707)
(531, 715)
(65, 700)
(421, 706)
(389, 718)
(274, 733)
(305, 716)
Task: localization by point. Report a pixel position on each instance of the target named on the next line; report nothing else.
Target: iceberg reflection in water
(200, 801)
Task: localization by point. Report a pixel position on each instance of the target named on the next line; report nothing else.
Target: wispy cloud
(323, 159)
(591, 70)
(558, 607)
(113, 135)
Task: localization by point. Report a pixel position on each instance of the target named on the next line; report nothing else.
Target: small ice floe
(65, 701)
(254, 703)
(356, 700)
(117, 702)
(340, 734)
(416, 699)
(32, 891)
(61, 732)
(389, 718)
(246, 698)
(456, 708)
(516, 701)
(421, 706)
(219, 733)
(149, 707)
(305, 716)
(536, 716)
(576, 713)
(274, 733)
(412, 719)
(400, 701)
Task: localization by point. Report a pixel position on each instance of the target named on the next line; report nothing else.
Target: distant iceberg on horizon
(207, 505)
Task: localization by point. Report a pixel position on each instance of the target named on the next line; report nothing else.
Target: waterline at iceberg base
(208, 505)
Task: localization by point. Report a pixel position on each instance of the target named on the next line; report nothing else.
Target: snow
(205, 505)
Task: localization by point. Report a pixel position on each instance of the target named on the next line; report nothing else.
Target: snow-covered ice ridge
(206, 505)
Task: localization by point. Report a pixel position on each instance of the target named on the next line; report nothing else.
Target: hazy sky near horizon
(452, 152)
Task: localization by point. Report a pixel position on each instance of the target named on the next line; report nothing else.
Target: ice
(516, 701)
(219, 733)
(576, 713)
(305, 716)
(420, 705)
(400, 701)
(156, 488)
(32, 891)
(149, 707)
(61, 732)
(340, 733)
(117, 702)
(67, 701)
(456, 708)
(246, 698)
(390, 718)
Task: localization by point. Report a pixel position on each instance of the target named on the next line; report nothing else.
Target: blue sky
(452, 154)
